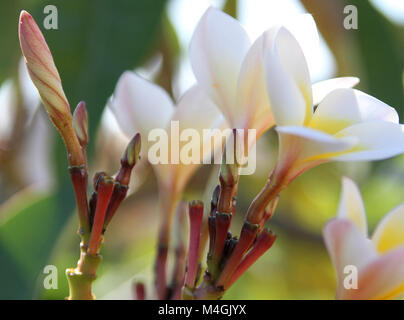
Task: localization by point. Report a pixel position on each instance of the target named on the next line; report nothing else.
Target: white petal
(344, 107)
(338, 110)
(304, 29)
(217, 49)
(197, 112)
(7, 110)
(140, 105)
(351, 205)
(322, 88)
(374, 109)
(390, 232)
(311, 144)
(287, 78)
(252, 108)
(347, 246)
(382, 278)
(376, 140)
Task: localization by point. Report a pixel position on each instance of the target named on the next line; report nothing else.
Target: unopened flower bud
(42, 70)
(80, 123)
(132, 152)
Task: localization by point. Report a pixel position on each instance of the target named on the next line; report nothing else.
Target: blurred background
(94, 43)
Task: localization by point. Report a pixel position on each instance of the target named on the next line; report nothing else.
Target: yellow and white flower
(231, 70)
(347, 125)
(379, 259)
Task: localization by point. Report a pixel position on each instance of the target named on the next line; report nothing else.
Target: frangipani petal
(344, 107)
(217, 49)
(140, 106)
(252, 110)
(351, 205)
(380, 279)
(390, 232)
(197, 111)
(194, 114)
(374, 109)
(338, 110)
(311, 144)
(287, 78)
(347, 246)
(376, 140)
(322, 88)
(304, 30)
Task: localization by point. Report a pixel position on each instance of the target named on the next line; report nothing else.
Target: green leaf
(9, 40)
(381, 46)
(96, 41)
(28, 229)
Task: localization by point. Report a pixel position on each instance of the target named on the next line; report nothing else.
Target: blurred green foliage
(381, 50)
(97, 40)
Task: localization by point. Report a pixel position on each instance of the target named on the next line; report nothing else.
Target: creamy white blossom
(231, 70)
(378, 259)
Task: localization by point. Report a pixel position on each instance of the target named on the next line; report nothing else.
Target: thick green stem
(81, 278)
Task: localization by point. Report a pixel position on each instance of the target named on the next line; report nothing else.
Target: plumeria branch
(108, 192)
(228, 256)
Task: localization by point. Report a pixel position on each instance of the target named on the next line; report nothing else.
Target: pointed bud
(42, 70)
(128, 160)
(80, 123)
(132, 152)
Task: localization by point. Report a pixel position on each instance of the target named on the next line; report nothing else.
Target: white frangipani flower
(346, 125)
(141, 106)
(379, 260)
(231, 70)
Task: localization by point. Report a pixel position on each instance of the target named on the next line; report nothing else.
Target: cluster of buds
(109, 192)
(228, 256)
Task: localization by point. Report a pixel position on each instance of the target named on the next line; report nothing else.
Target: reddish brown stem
(195, 217)
(104, 192)
(264, 243)
(79, 180)
(222, 225)
(247, 237)
(140, 292)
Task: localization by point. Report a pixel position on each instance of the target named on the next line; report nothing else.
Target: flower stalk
(195, 218)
